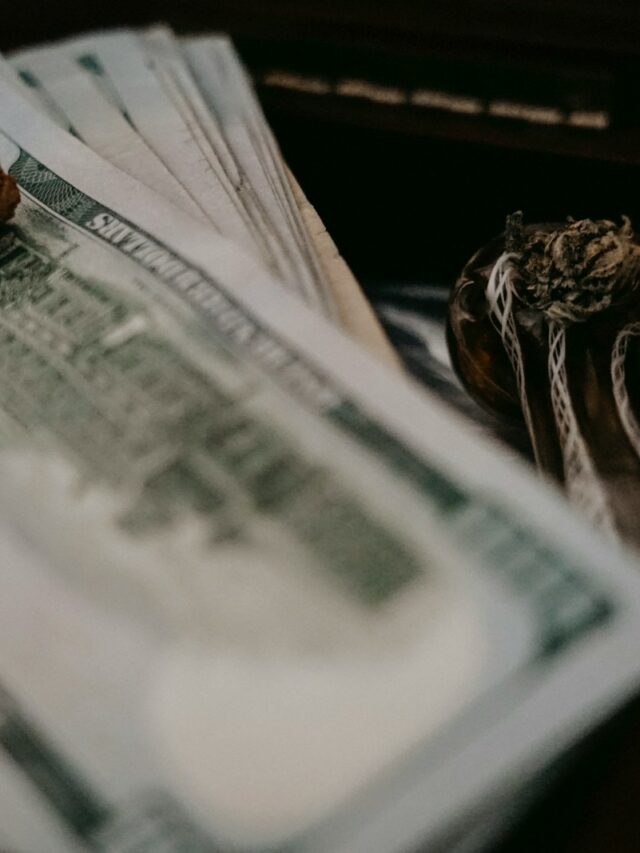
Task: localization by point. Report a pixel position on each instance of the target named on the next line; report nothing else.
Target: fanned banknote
(110, 88)
(128, 95)
(257, 591)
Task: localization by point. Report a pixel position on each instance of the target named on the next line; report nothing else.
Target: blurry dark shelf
(615, 145)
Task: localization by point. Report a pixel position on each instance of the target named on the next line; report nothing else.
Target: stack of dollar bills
(258, 592)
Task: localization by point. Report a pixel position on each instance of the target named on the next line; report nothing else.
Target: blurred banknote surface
(257, 591)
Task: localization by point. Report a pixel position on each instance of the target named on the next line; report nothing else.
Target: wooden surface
(410, 196)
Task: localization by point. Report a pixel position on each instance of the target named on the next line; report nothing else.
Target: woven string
(499, 295)
(619, 382)
(583, 486)
(582, 483)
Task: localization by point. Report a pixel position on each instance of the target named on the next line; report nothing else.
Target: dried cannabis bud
(545, 322)
(575, 270)
(9, 197)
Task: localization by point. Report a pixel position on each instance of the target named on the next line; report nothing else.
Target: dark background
(409, 194)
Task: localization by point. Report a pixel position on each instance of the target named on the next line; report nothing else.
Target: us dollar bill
(10, 76)
(68, 92)
(257, 591)
(146, 80)
(73, 77)
(112, 90)
(230, 96)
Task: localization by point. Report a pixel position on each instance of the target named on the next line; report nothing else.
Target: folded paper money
(258, 592)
